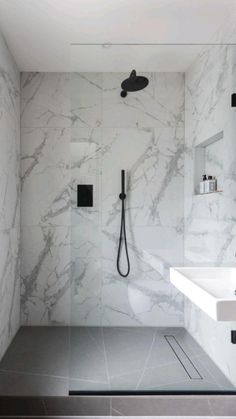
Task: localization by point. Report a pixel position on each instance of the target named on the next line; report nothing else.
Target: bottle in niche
(207, 184)
(215, 183)
(202, 184)
(211, 184)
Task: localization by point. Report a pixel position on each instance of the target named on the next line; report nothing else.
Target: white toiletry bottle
(210, 184)
(215, 183)
(202, 184)
(207, 187)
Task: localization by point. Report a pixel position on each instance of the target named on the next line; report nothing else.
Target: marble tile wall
(210, 233)
(90, 142)
(45, 198)
(9, 197)
(143, 134)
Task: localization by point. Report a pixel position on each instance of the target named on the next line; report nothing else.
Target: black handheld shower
(122, 238)
(122, 194)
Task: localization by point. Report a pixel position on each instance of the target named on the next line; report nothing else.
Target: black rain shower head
(133, 83)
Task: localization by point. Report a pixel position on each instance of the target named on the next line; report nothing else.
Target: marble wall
(77, 129)
(45, 198)
(143, 134)
(9, 197)
(210, 232)
(90, 143)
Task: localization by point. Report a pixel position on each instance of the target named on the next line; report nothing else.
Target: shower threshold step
(93, 406)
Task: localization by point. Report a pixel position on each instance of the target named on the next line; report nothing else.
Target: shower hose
(122, 238)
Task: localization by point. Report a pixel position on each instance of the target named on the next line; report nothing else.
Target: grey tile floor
(53, 360)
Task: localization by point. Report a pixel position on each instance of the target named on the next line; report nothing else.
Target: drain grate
(183, 358)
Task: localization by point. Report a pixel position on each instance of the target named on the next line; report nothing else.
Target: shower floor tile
(141, 359)
(53, 360)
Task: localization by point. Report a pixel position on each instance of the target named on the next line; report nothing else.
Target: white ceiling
(124, 58)
(39, 32)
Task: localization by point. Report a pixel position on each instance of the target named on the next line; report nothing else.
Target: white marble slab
(45, 100)
(160, 104)
(210, 219)
(45, 176)
(46, 275)
(105, 138)
(86, 99)
(9, 197)
(9, 287)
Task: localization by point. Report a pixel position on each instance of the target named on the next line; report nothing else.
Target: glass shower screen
(141, 333)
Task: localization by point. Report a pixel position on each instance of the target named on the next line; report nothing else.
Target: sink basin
(211, 289)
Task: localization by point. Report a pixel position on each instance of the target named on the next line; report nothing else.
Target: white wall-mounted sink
(211, 289)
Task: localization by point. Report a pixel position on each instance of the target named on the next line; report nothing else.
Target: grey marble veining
(46, 199)
(45, 176)
(46, 275)
(210, 238)
(143, 134)
(86, 100)
(69, 254)
(9, 287)
(45, 100)
(160, 104)
(9, 197)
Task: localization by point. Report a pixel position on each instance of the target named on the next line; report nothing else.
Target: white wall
(210, 229)
(9, 197)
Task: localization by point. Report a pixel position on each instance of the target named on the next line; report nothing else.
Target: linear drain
(183, 358)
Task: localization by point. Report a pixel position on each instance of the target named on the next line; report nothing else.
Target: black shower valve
(84, 195)
(233, 336)
(233, 100)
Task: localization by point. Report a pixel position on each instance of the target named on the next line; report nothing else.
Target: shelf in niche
(208, 159)
(208, 193)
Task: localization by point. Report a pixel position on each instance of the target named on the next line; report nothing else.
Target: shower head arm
(133, 73)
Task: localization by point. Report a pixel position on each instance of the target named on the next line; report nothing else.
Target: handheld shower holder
(122, 238)
(122, 196)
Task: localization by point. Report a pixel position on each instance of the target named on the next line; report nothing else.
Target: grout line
(163, 387)
(52, 376)
(204, 365)
(45, 406)
(106, 361)
(100, 347)
(88, 381)
(147, 369)
(34, 374)
(211, 407)
(110, 406)
(116, 411)
(146, 360)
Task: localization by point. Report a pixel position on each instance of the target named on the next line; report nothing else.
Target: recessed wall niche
(208, 160)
